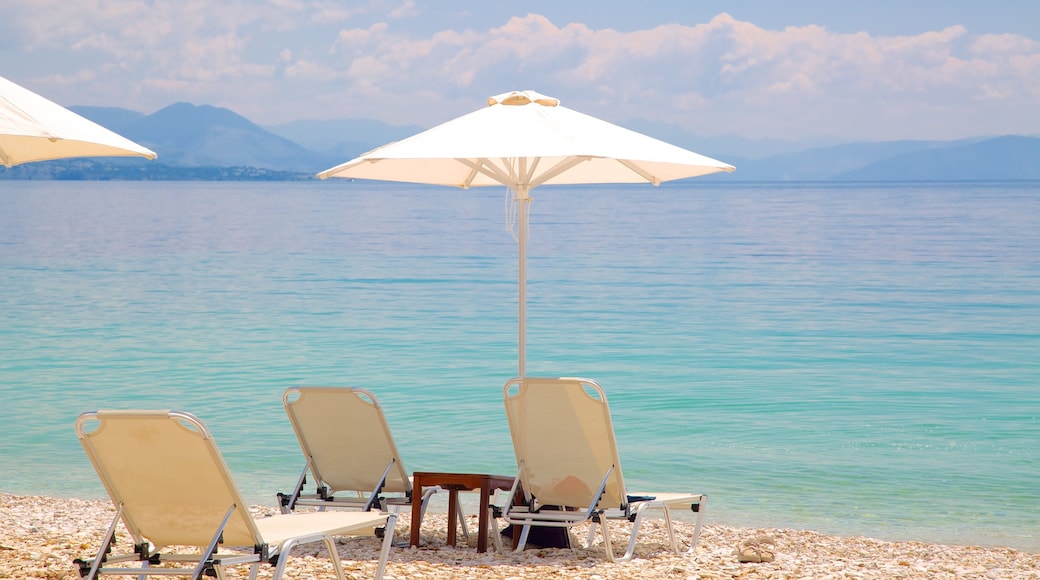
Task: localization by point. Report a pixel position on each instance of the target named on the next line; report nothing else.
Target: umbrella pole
(523, 206)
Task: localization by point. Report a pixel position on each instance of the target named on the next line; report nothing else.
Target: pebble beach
(41, 536)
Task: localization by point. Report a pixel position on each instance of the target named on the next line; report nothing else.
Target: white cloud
(284, 59)
(406, 9)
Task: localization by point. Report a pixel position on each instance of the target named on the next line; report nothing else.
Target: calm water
(856, 359)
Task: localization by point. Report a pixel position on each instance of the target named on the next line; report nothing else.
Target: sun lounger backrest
(165, 470)
(564, 441)
(344, 434)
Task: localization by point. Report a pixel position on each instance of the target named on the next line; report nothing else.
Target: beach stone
(40, 537)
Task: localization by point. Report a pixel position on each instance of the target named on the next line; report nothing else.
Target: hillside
(201, 135)
(207, 142)
(342, 138)
(1001, 158)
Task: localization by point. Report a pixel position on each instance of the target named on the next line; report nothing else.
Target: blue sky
(798, 69)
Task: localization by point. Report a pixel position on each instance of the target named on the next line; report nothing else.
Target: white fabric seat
(569, 467)
(174, 494)
(350, 453)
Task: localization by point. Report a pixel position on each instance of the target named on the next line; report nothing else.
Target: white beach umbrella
(523, 139)
(33, 128)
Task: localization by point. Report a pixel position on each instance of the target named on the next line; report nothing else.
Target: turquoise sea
(860, 359)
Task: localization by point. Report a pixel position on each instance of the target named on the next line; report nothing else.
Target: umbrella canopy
(524, 139)
(33, 128)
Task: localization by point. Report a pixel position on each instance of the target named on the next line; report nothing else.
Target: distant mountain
(824, 163)
(1010, 157)
(206, 142)
(977, 159)
(343, 138)
(203, 135)
(724, 147)
(113, 118)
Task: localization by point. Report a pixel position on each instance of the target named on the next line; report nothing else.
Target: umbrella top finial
(522, 98)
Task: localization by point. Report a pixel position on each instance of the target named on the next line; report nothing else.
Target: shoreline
(40, 536)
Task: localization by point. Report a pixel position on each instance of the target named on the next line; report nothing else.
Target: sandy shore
(40, 536)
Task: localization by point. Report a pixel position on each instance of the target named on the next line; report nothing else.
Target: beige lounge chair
(350, 452)
(569, 468)
(172, 490)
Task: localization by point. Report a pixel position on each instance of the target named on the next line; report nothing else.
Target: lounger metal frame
(609, 501)
(328, 493)
(344, 459)
(147, 505)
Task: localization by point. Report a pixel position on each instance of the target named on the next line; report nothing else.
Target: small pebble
(40, 537)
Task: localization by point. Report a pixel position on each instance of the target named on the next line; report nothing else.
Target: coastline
(40, 537)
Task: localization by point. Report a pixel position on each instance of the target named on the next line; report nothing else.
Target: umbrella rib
(18, 111)
(509, 167)
(559, 168)
(466, 183)
(529, 173)
(640, 171)
(487, 168)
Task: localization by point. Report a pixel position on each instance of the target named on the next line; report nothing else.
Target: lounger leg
(671, 529)
(605, 530)
(522, 542)
(287, 547)
(283, 557)
(207, 556)
(697, 525)
(330, 545)
(592, 535)
(631, 550)
(462, 520)
(388, 540)
(427, 494)
(105, 543)
(496, 535)
(288, 504)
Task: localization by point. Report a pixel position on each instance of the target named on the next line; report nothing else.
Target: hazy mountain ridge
(202, 135)
(346, 138)
(1000, 158)
(207, 142)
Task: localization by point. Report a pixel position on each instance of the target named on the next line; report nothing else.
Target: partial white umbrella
(524, 139)
(33, 128)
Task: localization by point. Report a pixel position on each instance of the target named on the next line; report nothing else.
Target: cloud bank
(284, 60)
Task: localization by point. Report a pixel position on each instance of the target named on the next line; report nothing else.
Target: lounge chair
(173, 491)
(569, 468)
(349, 451)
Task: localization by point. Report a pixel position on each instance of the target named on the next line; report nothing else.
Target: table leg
(482, 517)
(453, 503)
(417, 495)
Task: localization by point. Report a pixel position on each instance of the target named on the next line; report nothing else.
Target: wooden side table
(454, 483)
